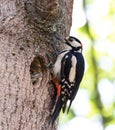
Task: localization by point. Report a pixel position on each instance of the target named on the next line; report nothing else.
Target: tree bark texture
(26, 47)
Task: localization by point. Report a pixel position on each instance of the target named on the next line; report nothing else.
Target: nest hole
(37, 68)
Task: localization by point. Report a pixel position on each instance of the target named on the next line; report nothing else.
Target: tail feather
(69, 106)
(56, 111)
(60, 104)
(64, 105)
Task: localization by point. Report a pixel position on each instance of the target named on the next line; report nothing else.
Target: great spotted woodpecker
(68, 72)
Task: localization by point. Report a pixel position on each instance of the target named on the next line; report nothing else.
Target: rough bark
(26, 38)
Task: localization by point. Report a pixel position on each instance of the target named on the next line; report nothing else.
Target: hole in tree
(36, 68)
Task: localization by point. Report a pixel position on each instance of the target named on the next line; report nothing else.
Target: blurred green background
(94, 105)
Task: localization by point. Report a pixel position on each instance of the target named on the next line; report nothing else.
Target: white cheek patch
(72, 73)
(76, 44)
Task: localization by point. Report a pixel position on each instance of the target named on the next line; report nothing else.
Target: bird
(68, 71)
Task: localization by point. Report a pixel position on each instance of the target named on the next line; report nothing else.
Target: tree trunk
(27, 43)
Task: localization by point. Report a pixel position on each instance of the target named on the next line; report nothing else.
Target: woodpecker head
(74, 43)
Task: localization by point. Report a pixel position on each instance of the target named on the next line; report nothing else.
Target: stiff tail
(69, 106)
(57, 110)
(60, 104)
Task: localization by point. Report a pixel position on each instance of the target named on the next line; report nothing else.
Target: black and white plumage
(68, 70)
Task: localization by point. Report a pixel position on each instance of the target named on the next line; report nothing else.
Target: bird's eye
(70, 39)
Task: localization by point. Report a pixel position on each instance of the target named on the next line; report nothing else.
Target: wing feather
(71, 62)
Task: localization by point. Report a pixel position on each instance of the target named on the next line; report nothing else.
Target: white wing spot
(73, 69)
(66, 57)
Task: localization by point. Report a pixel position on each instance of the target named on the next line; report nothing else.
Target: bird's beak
(66, 39)
(59, 37)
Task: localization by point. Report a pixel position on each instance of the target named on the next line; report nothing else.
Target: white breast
(57, 65)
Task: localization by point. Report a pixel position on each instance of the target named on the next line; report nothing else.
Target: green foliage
(64, 117)
(100, 61)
